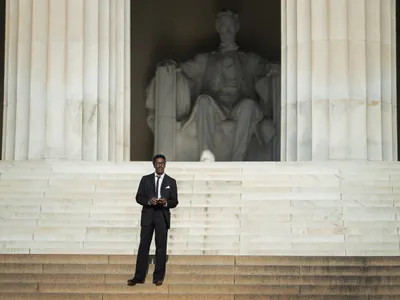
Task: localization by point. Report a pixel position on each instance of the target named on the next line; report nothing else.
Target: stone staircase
(242, 231)
(103, 277)
(329, 209)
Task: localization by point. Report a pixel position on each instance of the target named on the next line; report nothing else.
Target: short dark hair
(159, 156)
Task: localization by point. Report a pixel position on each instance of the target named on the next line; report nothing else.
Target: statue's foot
(207, 156)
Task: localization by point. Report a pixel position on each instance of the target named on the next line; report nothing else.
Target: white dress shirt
(159, 186)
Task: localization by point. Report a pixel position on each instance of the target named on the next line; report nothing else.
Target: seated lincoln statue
(225, 102)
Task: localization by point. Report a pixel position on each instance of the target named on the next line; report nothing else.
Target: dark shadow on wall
(178, 29)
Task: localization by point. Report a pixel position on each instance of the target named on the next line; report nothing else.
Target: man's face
(159, 165)
(227, 29)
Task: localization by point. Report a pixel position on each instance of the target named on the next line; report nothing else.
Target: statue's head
(227, 25)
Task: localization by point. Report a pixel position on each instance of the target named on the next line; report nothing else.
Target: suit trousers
(159, 226)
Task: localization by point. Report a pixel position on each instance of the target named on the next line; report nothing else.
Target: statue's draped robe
(231, 106)
(223, 90)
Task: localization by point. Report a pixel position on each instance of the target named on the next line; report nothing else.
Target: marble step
(241, 273)
(331, 279)
(159, 296)
(222, 289)
(227, 260)
(129, 296)
(233, 289)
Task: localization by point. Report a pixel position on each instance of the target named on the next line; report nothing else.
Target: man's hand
(162, 201)
(153, 201)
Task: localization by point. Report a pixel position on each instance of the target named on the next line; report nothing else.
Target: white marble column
(339, 80)
(67, 79)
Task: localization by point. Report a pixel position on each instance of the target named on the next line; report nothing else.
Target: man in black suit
(157, 193)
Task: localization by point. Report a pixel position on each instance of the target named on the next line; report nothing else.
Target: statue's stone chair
(170, 102)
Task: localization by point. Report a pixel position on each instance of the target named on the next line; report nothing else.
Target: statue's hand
(273, 68)
(168, 66)
(167, 63)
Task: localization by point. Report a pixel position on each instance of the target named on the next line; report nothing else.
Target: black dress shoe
(158, 282)
(134, 281)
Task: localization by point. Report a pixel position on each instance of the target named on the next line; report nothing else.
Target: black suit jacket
(146, 191)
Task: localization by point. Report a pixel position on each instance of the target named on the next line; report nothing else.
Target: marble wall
(339, 80)
(67, 80)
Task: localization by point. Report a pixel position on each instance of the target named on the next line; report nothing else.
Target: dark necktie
(158, 182)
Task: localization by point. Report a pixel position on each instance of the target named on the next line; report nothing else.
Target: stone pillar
(339, 80)
(67, 80)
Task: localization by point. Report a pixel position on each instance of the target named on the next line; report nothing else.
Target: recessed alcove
(178, 29)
